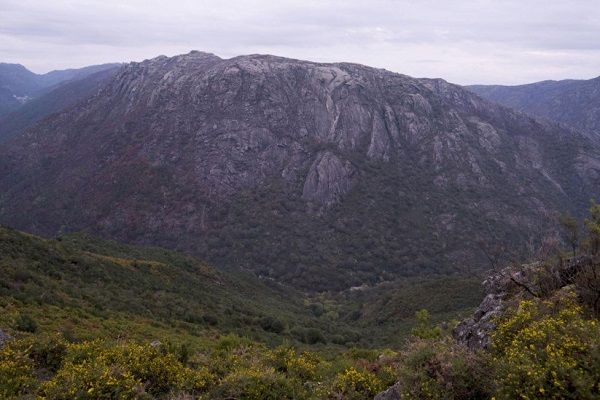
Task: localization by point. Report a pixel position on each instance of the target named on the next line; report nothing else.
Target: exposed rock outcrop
(329, 178)
(506, 288)
(392, 393)
(509, 285)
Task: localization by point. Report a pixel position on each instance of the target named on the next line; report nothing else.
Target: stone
(392, 393)
(4, 337)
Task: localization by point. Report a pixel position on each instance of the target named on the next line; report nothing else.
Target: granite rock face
(508, 285)
(235, 159)
(327, 181)
(392, 393)
(475, 332)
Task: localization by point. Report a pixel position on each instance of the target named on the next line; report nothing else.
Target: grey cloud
(465, 41)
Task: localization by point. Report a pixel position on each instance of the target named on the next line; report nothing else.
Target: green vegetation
(91, 319)
(548, 348)
(90, 288)
(384, 230)
(231, 367)
(87, 288)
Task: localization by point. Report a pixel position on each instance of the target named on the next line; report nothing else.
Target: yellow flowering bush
(356, 384)
(16, 372)
(95, 370)
(256, 383)
(305, 366)
(548, 349)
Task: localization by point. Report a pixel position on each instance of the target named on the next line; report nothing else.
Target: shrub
(317, 309)
(443, 369)
(230, 342)
(25, 323)
(271, 324)
(424, 328)
(356, 384)
(305, 367)
(95, 370)
(309, 335)
(210, 319)
(547, 348)
(47, 353)
(256, 383)
(16, 372)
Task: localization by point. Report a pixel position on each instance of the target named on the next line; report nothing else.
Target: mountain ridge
(58, 99)
(572, 102)
(18, 85)
(324, 175)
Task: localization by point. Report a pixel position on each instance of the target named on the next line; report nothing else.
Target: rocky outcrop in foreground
(508, 286)
(505, 289)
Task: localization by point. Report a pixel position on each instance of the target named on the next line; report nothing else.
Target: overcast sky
(463, 41)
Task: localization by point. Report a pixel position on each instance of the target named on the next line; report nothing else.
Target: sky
(462, 41)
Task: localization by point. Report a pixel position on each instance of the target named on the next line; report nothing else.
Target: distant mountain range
(61, 97)
(324, 176)
(575, 103)
(18, 85)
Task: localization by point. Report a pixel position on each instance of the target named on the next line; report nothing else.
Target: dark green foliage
(424, 329)
(271, 324)
(48, 352)
(100, 279)
(571, 231)
(317, 309)
(593, 229)
(25, 323)
(309, 335)
(87, 278)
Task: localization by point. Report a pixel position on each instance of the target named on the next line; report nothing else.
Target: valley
(260, 227)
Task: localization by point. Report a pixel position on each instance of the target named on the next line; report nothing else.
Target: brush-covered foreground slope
(323, 175)
(91, 288)
(575, 103)
(60, 98)
(87, 318)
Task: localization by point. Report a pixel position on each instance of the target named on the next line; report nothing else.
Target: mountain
(575, 103)
(325, 176)
(16, 82)
(60, 98)
(18, 85)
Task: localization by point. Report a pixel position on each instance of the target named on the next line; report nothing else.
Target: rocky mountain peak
(259, 150)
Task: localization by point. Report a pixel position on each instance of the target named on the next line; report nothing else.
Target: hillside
(18, 85)
(123, 291)
(65, 95)
(325, 176)
(92, 288)
(575, 103)
(78, 311)
(73, 327)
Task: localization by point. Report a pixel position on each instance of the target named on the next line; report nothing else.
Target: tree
(593, 227)
(571, 229)
(424, 329)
